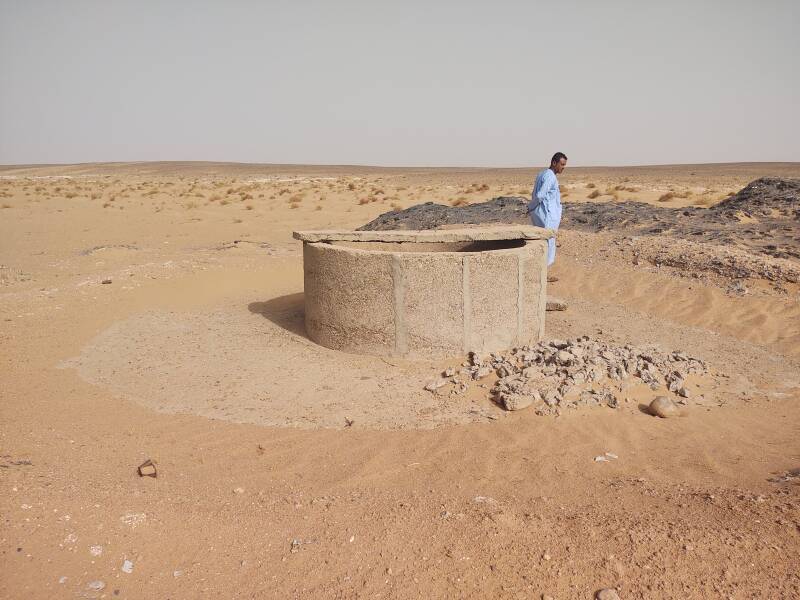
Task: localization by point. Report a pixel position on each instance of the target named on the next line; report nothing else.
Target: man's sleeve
(547, 183)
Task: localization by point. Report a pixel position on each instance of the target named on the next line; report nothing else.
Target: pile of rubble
(559, 374)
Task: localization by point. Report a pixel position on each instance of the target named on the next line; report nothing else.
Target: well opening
(461, 246)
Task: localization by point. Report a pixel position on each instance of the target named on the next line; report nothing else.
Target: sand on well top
(155, 311)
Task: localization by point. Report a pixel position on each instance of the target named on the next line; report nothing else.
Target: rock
(607, 594)
(96, 585)
(449, 372)
(683, 392)
(555, 304)
(663, 407)
(737, 288)
(552, 397)
(105, 281)
(127, 567)
(516, 401)
(435, 384)
(564, 358)
(674, 381)
(147, 469)
(482, 372)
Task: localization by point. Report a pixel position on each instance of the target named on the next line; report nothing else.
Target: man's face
(559, 165)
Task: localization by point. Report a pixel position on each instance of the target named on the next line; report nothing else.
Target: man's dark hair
(557, 157)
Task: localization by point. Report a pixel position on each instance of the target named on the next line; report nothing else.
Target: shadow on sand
(287, 312)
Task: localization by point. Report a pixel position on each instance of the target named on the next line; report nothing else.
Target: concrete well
(425, 294)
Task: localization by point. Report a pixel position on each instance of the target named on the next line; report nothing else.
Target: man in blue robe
(545, 206)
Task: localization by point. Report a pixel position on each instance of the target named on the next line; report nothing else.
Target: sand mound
(237, 365)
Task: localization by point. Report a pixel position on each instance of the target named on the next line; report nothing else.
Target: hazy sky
(400, 83)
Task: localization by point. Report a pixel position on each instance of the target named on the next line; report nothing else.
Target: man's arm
(547, 183)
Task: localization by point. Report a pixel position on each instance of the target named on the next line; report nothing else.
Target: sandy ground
(194, 356)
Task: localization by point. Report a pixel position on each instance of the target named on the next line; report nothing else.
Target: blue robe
(545, 207)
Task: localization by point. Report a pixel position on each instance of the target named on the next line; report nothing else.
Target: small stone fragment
(555, 304)
(96, 585)
(607, 594)
(663, 407)
(147, 469)
(552, 397)
(127, 567)
(564, 358)
(482, 372)
(435, 384)
(105, 281)
(516, 401)
(674, 381)
(683, 392)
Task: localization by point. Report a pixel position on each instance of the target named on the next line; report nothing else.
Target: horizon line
(375, 166)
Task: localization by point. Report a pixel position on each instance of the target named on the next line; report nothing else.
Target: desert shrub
(594, 194)
(363, 201)
(591, 185)
(459, 202)
(666, 197)
(351, 186)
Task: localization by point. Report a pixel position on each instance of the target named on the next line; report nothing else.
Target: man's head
(559, 162)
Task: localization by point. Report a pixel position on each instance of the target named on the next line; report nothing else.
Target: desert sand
(155, 311)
